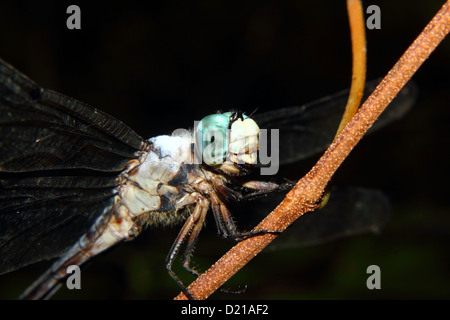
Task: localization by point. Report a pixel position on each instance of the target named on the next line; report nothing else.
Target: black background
(159, 66)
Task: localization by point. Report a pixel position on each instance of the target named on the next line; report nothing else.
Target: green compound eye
(217, 138)
(212, 138)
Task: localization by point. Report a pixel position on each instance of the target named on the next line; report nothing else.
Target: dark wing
(59, 159)
(308, 129)
(350, 211)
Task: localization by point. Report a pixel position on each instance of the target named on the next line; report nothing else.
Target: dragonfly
(75, 181)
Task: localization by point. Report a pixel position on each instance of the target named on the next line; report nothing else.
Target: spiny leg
(225, 224)
(195, 221)
(224, 220)
(191, 229)
(263, 188)
(189, 249)
(193, 237)
(228, 229)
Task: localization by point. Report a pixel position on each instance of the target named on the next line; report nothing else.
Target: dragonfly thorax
(155, 184)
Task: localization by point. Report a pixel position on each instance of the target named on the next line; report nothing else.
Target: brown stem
(309, 189)
(358, 36)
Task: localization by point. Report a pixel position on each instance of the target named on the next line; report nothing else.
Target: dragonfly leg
(225, 224)
(189, 231)
(224, 220)
(189, 249)
(262, 188)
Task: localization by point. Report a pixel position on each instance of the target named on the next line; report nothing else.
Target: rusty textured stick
(308, 190)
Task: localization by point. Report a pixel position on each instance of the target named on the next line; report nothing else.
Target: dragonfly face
(75, 181)
(227, 137)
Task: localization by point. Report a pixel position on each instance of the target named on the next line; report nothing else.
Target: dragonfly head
(227, 139)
